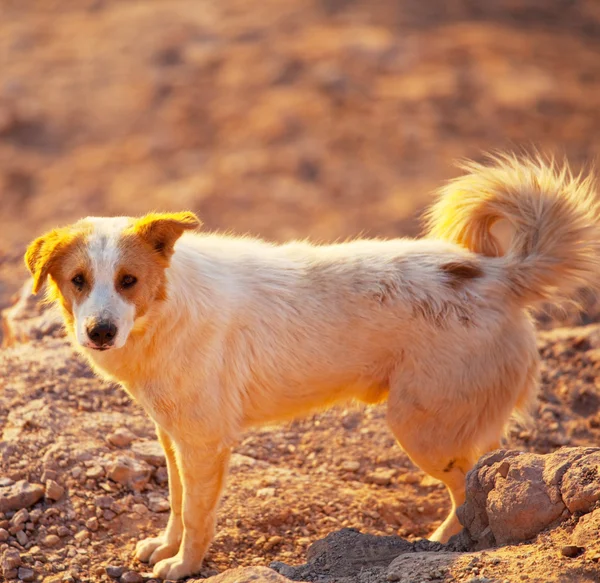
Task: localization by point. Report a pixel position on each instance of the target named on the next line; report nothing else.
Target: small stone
(140, 509)
(95, 472)
(122, 437)
(92, 524)
(22, 538)
(104, 501)
(381, 476)
(114, 571)
(158, 504)
(3, 535)
(571, 551)
(11, 559)
(150, 452)
(273, 542)
(19, 495)
(81, 536)
(130, 472)
(54, 491)
(49, 474)
(131, 577)
(265, 492)
(63, 531)
(350, 466)
(51, 540)
(21, 517)
(161, 476)
(26, 574)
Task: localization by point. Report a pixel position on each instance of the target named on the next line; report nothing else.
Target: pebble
(21, 517)
(122, 437)
(54, 491)
(19, 495)
(131, 577)
(95, 472)
(26, 574)
(22, 537)
(150, 452)
(381, 476)
(81, 536)
(104, 501)
(114, 571)
(571, 551)
(3, 535)
(63, 531)
(140, 509)
(51, 540)
(350, 466)
(92, 524)
(265, 492)
(129, 472)
(11, 559)
(158, 504)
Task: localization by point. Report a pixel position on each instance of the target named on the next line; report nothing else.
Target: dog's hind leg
(442, 439)
(155, 549)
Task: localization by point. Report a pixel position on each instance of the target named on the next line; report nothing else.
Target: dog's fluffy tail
(540, 218)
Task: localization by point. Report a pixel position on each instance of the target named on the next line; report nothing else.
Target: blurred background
(279, 118)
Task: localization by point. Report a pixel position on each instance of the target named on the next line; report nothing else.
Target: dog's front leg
(155, 549)
(202, 468)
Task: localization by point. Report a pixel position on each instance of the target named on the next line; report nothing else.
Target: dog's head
(107, 272)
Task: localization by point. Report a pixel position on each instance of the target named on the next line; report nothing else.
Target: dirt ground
(305, 118)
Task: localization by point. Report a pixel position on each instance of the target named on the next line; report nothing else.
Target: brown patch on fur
(449, 466)
(460, 272)
(139, 259)
(60, 255)
(161, 230)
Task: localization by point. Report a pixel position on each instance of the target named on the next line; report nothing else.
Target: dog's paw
(164, 551)
(145, 548)
(175, 568)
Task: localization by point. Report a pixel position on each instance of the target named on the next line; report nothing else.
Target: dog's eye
(78, 281)
(128, 281)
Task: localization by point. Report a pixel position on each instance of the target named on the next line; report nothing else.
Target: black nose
(101, 332)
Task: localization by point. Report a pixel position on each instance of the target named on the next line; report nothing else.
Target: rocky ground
(83, 478)
(320, 118)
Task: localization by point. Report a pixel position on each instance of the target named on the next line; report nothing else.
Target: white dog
(213, 334)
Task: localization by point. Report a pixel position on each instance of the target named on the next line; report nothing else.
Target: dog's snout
(101, 332)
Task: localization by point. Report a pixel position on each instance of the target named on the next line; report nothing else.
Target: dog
(213, 334)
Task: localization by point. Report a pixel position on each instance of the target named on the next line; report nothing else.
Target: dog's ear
(41, 255)
(161, 230)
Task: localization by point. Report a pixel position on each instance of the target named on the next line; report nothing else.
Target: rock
(381, 476)
(26, 574)
(11, 560)
(122, 437)
(22, 538)
(413, 567)
(571, 551)
(350, 466)
(134, 474)
(114, 571)
(512, 496)
(95, 472)
(51, 540)
(248, 575)
(581, 484)
(20, 517)
(104, 501)
(131, 577)
(265, 492)
(150, 452)
(54, 491)
(81, 536)
(19, 495)
(3, 535)
(158, 504)
(92, 524)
